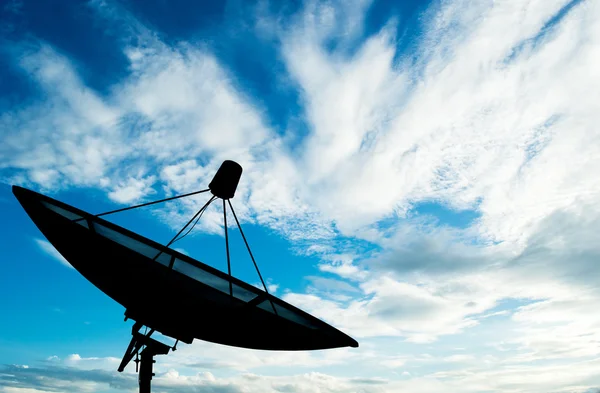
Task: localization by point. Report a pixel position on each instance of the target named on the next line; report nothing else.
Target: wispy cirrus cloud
(21, 379)
(371, 146)
(49, 250)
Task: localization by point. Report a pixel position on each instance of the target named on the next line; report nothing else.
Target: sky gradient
(423, 175)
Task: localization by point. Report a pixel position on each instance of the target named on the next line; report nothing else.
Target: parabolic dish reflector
(183, 298)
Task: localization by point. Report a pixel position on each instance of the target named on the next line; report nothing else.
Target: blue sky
(422, 175)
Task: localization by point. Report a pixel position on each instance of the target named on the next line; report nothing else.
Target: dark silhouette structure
(166, 291)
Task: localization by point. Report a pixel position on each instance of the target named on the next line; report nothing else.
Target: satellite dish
(170, 292)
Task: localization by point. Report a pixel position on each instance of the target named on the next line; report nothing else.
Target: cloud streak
(49, 250)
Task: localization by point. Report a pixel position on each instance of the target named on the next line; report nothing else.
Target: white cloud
(49, 249)
(576, 377)
(418, 312)
(132, 189)
(92, 363)
(8, 389)
(329, 284)
(181, 250)
(541, 379)
(55, 378)
(342, 265)
(373, 147)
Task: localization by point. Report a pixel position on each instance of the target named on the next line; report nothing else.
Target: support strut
(146, 356)
(227, 247)
(147, 204)
(249, 252)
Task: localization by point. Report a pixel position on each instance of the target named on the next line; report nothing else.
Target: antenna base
(145, 358)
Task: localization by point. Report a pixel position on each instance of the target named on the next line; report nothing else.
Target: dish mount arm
(145, 358)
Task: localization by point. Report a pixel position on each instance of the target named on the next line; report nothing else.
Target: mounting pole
(147, 361)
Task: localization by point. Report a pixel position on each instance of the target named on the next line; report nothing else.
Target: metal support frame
(227, 247)
(141, 345)
(145, 358)
(147, 361)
